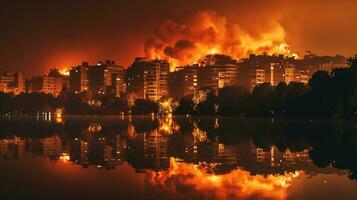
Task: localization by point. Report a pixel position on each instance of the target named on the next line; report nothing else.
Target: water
(181, 158)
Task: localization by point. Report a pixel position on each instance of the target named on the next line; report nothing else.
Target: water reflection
(203, 158)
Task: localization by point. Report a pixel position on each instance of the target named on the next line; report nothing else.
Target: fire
(210, 33)
(189, 180)
(64, 71)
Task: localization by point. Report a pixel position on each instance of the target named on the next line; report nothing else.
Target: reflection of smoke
(190, 181)
(209, 33)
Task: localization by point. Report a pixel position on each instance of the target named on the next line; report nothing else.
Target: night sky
(38, 35)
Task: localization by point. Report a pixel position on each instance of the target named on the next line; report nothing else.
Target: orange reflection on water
(193, 180)
(65, 158)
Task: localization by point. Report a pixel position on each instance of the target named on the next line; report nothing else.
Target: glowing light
(64, 71)
(167, 106)
(65, 158)
(58, 115)
(213, 51)
(94, 128)
(199, 135)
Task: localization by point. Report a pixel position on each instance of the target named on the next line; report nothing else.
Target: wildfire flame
(64, 71)
(192, 181)
(209, 33)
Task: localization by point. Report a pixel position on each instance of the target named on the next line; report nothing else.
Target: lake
(124, 157)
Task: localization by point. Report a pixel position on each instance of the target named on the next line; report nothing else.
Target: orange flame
(209, 33)
(64, 71)
(189, 179)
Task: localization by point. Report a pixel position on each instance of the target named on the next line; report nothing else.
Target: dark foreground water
(180, 158)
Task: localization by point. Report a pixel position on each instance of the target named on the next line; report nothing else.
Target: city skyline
(78, 33)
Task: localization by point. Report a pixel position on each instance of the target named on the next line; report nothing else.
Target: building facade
(148, 79)
(12, 82)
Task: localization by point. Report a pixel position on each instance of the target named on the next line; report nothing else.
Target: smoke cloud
(207, 32)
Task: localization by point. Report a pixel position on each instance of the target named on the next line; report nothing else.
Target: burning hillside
(210, 33)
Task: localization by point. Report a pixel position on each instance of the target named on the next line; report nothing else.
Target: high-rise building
(12, 82)
(78, 81)
(218, 76)
(257, 76)
(190, 83)
(148, 79)
(281, 73)
(156, 77)
(114, 78)
(135, 78)
(302, 76)
(52, 85)
(105, 77)
(95, 76)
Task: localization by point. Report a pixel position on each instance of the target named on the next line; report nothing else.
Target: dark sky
(37, 35)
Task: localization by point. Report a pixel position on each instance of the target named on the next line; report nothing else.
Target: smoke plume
(207, 32)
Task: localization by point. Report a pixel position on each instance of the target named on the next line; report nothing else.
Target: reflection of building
(12, 82)
(150, 147)
(276, 158)
(79, 152)
(52, 147)
(156, 150)
(12, 148)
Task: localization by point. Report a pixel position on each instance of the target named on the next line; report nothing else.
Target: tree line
(327, 95)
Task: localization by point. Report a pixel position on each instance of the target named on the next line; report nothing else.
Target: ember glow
(193, 180)
(210, 33)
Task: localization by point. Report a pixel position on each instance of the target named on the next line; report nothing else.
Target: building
(156, 77)
(95, 77)
(102, 78)
(331, 66)
(12, 82)
(217, 76)
(176, 83)
(257, 76)
(302, 76)
(53, 83)
(190, 80)
(135, 78)
(274, 74)
(148, 79)
(114, 78)
(78, 81)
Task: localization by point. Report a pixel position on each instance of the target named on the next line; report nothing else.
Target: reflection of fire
(94, 128)
(209, 33)
(168, 126)
(193, 181)
(65, 158)
(58, 115)
(199, 135)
